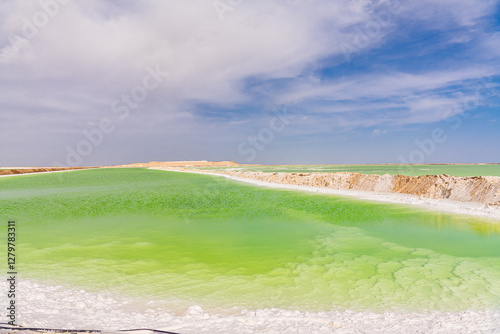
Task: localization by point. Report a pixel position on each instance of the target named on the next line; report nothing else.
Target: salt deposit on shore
(47, 306)
(457, 207)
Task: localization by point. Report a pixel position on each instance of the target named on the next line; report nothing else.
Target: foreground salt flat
(465, 208)
(48, 306)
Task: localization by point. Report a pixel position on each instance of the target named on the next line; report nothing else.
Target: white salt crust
(45, 306)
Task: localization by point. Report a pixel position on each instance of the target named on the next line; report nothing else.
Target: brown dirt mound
(481, 189)
(13, 171)
(164, 164)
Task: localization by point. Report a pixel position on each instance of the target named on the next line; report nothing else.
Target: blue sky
(274, 82)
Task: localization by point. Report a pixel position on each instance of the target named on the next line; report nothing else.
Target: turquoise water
(186, 239)
(410, 170)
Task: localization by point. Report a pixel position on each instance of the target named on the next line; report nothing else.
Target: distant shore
(36, 170)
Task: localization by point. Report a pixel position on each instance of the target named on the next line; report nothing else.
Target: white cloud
(92, 51)
(394, 98)
(103, 49)
(86, 42)
(377, 132)
(436, 14)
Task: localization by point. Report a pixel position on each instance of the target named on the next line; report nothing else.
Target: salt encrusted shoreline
(436, 204)
(46, 306)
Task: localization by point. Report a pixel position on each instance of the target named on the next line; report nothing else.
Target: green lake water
(184, 239)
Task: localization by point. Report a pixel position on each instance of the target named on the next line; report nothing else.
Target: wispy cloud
(262, 55)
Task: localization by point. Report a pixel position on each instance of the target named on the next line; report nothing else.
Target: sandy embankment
(17, 171)
(463, 195)
(481, 189)
(475, 189)
(167, 164)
